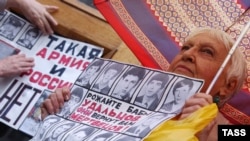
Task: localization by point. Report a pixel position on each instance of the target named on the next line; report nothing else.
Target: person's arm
(36, 13)
(15, 64)
(55, 101)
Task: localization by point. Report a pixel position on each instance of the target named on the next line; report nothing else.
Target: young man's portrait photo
(150, 95)
(107, 78)
(47, 123)
(80, 133)
(181, 90)
(57, 132)
(128, 82)
(29, 38)
(11, 27)
(101, 136)
(90, 73)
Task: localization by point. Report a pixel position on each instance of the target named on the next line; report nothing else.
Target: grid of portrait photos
(16, 29)
(118, 102)
(58, 62)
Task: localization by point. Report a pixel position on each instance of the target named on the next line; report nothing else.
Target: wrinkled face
(153, 87)
(201, 57)
(127, 83)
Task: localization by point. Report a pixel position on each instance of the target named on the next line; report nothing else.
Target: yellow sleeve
(185, 129)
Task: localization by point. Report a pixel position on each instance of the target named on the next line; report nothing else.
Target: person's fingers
(19, 62)
(51, 8)
(194, 103)
(22, 57)
(201, 102)
(49, 17)
(66, 93)
(189, 110)
(48, 107)
(18, 57)
(55, 102)
(25, 63)
(206, 97)
(23, 69)
(41, 20)
(51, 20)
(47, 25)
(44, 112)
(40, 24)
(60, 96)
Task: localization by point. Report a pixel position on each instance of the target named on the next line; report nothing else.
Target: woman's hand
(36, 13)
(15, 64)
(194, 103)
(55, 101)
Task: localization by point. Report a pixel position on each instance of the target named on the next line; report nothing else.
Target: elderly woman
(201, 56)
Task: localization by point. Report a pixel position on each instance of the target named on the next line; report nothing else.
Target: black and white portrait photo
(106, 79)
(44, 126)
(58, 131)
(90, 73)
(101, 136)
(11, 27)
(80, 133)
(182, 89)
(150, 95)
(29, 38)
(128, 83)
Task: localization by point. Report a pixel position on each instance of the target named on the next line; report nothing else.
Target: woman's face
(201, 57)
